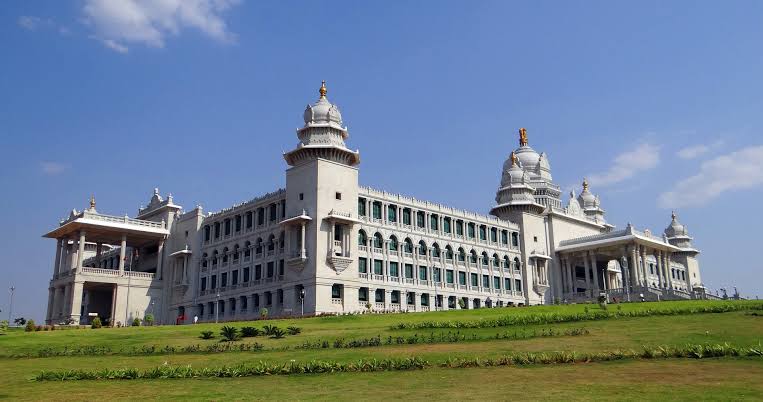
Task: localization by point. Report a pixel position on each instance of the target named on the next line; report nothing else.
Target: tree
(30, 327)
(264, 313)
(20, 321)
(96, 323)
(3, 326)
(149, 319)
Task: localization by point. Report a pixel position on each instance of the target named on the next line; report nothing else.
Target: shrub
(30, 327)
(248, 332)
(207, 335)
(20, 321)
(264, 313)
(277, 333)
(149, 319)
(3, 326)
(96, 323)
(293, 330)
(229, 333)
(136, 322)
(461, 304)
(269, 329)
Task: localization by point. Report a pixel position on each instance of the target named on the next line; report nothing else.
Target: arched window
(435, 250)
(516, 263)
(235, 252)
(473, 257)
(225, 255)
(392, 243)
(271, 243)
(214, 258)
(506, 262)
(448, 252)
(362, 238)
(281, 242)
(378, 240)
(422, 248)
(485, 258)
(247, 249)
(204, 260)
(461, 254)
(408, 245)
(258, 246)
(496, 260)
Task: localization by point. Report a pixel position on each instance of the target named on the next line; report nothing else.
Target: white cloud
(738, 170)
(627, 164)
(698, 150)
(117, 23)
(52, 168)
(30, 23)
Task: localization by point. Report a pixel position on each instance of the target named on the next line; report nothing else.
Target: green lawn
(682, 379)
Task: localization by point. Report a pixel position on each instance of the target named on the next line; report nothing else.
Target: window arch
(271, 243)
(461, 254)
(449, 252)
(378, 240)
(485, 258)
(235, 252)
(214, 257)
(473, 257)
(362, 238)
(408, 245)
(516, 263)
(506, 262)
(247, 249)
(225, 255)
(422, 248)
(496, 260)
(204, 260)
(392, 243)
(435, 250)
(258, 246)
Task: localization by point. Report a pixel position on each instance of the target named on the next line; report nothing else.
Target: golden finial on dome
(92, 201)
(522, 137)
(673, 215)
(585, 184)
(323, 89)
(513, 159)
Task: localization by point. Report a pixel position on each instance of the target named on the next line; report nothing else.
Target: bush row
(432, 338)
(143, 350)
(694, 351)
(555, 318)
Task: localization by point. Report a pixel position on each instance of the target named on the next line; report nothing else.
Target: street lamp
(12, 289)
(302, 299)
(217, 307)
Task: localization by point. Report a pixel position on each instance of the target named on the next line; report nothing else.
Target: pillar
(122, 255)
(634, 267)
(51, 300)
(76, 301)
(81, 252)
(586, 263)
(160, 260)
(643, 267)
(57, 261)
(66, 302)
(669, 270)
(57, 300)
(595, 272)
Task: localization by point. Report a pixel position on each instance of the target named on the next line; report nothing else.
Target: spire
(92, 201)
(585, 184)
(513, 159)
(673, 215)
(522, 137)
(323, 89)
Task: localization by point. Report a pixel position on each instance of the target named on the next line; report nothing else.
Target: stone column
(122, 254)
(586, 263)
(634, 267)
(81, 252)
(595, 271)
(57, 262)
(98, 254)
(160, 260)
(51, 301)
(67, 300)
(658, 267)
(417, 301)
(644, 272)
(669, 270)
(76, 301)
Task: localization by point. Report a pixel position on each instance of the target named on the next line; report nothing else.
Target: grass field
(674, 378)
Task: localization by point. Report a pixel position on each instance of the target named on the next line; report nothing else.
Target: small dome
(528, 158)
(675, 228)
(514, 174)
(586, 197)
(322, 111)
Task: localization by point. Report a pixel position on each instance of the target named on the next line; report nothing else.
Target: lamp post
(217, 307)
(11, 290)
(302, 300)
(153, 302)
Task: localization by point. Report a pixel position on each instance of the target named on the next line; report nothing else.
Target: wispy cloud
(627, 164)
(742, 169)
(695, 151)
(52, 168)
(148, 22)
(31, 23)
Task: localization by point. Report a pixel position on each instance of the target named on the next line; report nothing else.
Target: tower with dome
(324, 244)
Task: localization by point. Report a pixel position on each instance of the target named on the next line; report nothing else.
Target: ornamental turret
(677, 234)
(590, 204)
(323, 135)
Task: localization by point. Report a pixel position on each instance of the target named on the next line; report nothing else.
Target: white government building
(325, 244)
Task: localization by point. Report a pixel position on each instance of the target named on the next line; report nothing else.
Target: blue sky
(658, 103)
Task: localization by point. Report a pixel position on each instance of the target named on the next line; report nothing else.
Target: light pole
(217, 307)
(11, 290)
(153, 302)
(302, 299)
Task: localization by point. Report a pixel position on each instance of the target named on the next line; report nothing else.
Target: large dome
(322, 111)
(676, 228)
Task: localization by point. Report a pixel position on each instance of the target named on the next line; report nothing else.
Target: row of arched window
(421, 248)
(436, 222)
(262, 216)
(236, 252)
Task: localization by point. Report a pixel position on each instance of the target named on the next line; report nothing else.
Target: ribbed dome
(675, 228)
(527, 156)
(586, 197)
(322, 111)
(514, 174)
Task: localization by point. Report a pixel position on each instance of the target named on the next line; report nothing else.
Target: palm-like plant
(248, 332)
(268, 329)
(229, 333)
(277, 333)
(293, 330)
